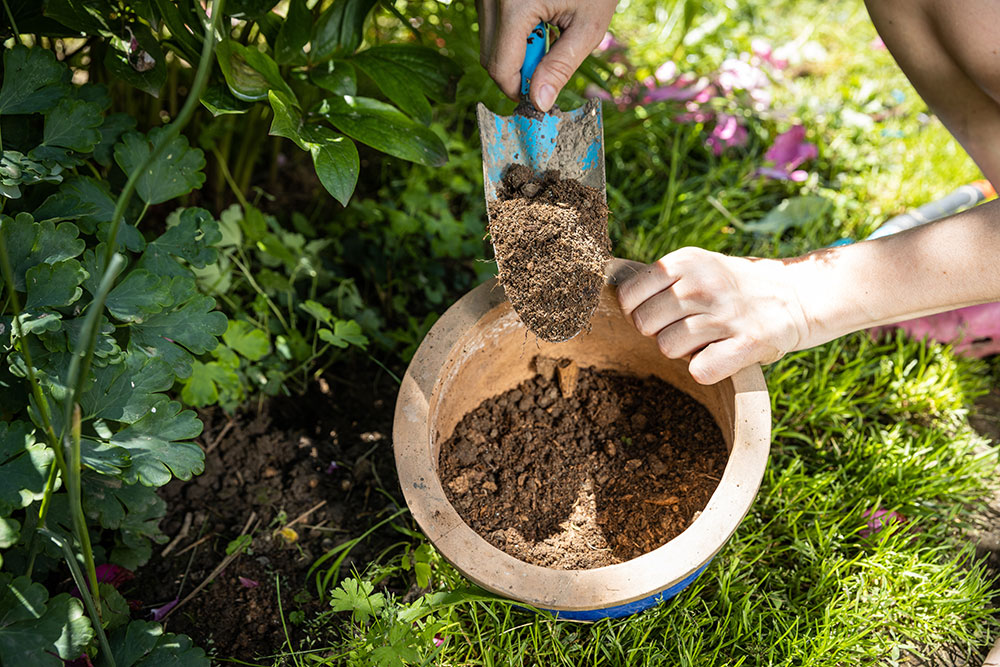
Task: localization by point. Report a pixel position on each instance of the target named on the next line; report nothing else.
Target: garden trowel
(569, 141)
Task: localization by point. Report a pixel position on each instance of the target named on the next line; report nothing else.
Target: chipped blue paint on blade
(571, 142)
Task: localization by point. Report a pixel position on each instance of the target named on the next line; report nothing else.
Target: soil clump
(551, 241)
(580, 468)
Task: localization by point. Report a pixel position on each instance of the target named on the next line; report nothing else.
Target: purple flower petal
(879, 519)
(248, 583)
(609, 42)
(330, 468)
(790, 149)
(160, 612)
(726, 133)
(438, 641)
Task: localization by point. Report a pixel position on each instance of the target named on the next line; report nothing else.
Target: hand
(725, 312)
(503, 30)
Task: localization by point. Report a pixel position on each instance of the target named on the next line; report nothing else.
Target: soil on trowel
(578, 468)
(551, 241)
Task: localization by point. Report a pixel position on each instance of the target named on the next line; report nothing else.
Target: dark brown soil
(577, 477)
(276, 460)
(551, 242)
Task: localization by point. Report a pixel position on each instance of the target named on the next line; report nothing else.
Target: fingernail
(546, 97)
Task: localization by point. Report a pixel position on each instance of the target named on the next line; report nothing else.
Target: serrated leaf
(125, 392)
(248, 340)
(385, 128)
(103, 457)
(219, 101)
(116, 505)
(793, 212)
(144, 68)
(358, 597)
(159, 447)
(33, 80)
(34, 322)
(191, 239)
(249, 73)
(54, 285)
(191, 324)
(176, 172)
(114, 126)
(30, 243)
(317, 310)
(84, 199)
(345, 332)
(24, 466)
(35, 630)
(294, 34)
(336, 76)
(144, 644)
(115, 611)
(74, 124)
(203, 386)
(338, 30)
(138, 295)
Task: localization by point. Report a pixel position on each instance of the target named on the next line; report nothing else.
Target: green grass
(858, 424)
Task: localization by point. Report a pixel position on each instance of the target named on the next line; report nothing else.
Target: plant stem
(228, 177)
(88, 600)
(43, 512)
(13, 23)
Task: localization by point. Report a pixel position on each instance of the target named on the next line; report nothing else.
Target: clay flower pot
(479, 349)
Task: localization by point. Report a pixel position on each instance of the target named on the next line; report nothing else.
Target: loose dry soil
(578, 468)
(551, 242)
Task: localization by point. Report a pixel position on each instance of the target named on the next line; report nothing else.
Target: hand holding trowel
(546, 200)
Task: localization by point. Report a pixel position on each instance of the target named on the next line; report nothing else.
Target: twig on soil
(217, 439)
(194, 544)
(303, 516)
(252, 522)
(183, 533)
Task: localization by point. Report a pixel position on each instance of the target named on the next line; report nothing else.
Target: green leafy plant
(98, 323)
(298, 67)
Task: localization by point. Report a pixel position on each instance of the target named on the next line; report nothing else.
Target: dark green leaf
(74, 124)
(144, 644)
(191, 324)
(138, 295)
(180, 27)
(294, 34)
(287, 119)
(409, 74)
(115, 125)
(159, 447)
(84, 199)
(82, 16)
(114, 504)
(145, 67)
(247, 339)
(30, 322)
(338, 30)
(249, 9)
(218, 100)
(125, 392)
(33, 80)
(37, 631)
(54, 285)
(176, 172)
(344, 333)
(115, 611)
(191, 239)
(103, 457)
(383, 127)
(10, 531)
(337, 76)
(248, 72)
(30, 243)
(24, 465)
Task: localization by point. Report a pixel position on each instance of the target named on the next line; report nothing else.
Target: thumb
(559, 64)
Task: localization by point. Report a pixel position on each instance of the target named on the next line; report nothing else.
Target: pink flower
(726, 133)
(109, 573)
(736, 74)
(438, 641)
(684, 88)
(877, 44)
(879, 519)
(789, 150)
(593, 90)
(248, 583)
(774, 57)
(666, 72)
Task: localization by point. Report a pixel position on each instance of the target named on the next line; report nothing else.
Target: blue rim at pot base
(621, 610)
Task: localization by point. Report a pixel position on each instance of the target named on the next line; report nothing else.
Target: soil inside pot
(551, 241)
(580, 468)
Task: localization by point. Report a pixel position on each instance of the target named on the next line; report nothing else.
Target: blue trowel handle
(533, 55)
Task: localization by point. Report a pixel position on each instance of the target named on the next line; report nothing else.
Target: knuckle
(642, 323)
(667, 345)
(560, 69)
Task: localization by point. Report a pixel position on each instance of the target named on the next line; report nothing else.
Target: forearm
(937, 267)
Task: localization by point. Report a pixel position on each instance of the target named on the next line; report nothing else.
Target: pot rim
(566, 590)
